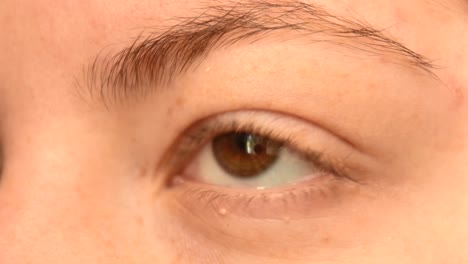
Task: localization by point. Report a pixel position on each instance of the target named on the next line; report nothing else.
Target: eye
(249, 160)
(254, 150)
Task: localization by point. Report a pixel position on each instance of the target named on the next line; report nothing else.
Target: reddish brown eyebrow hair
(154, 59)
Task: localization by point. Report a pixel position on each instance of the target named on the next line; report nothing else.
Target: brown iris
(244, 154)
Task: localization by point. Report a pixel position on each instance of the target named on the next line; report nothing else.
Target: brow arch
(154, 59)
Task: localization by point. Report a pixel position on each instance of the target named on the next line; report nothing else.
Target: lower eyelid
(308, 199)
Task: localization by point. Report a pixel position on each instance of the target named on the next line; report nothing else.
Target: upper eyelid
(154, 60)
(252, 113)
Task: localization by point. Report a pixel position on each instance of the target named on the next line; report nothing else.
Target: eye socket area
(311, 171)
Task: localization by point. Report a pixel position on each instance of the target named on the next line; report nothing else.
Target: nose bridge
(38, 230)
(37, 193)
(35, 155)
(28, 217)
(51, 217)
(61, 195)
(42, 202)
(32, 222)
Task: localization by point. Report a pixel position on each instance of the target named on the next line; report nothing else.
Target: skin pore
(104, 115)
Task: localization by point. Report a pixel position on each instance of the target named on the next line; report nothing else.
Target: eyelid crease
(154, 59)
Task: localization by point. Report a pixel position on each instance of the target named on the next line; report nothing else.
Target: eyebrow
(155, 59)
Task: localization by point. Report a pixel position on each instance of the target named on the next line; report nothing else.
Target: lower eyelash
(296, 201)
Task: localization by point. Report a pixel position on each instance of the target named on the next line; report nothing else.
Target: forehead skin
(45, 46)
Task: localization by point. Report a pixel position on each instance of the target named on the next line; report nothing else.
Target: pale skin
(81, 183)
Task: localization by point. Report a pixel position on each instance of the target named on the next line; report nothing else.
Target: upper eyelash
(202, 132)
(196, 137)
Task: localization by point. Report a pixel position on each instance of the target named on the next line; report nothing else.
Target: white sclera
(288, 169)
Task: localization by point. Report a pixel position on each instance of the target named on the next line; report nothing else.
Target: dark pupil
(245, 154)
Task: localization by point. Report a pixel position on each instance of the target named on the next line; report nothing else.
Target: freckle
(457, 90)
(143, 172)
(180, 101)
(460, 96)
(140, 221)
(325, 240)
(169, 111)
(400, 17)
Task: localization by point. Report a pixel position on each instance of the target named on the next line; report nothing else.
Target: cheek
(330, 233)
